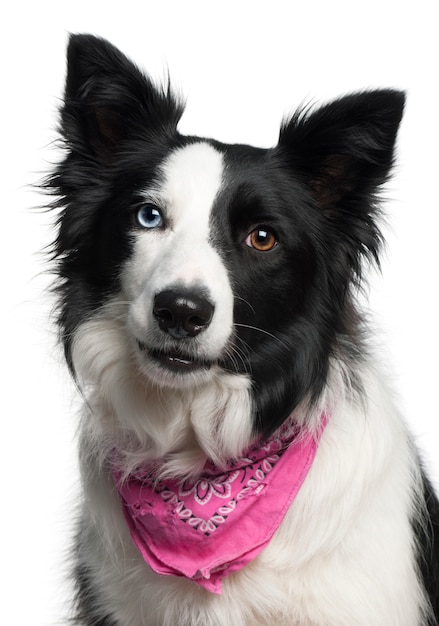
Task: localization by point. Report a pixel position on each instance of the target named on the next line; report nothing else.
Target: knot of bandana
(208, 527)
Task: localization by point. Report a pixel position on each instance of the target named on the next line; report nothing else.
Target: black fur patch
(88, 611)
(426, 529)
(317, 190)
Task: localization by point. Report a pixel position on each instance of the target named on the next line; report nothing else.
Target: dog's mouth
(174, 360)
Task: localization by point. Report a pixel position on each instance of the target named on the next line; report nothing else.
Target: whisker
(260, 330)
(235, 355)
(265, 332)
(246, 347)
(247, 303)
(241, 356)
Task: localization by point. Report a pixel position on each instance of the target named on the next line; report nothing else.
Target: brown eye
(261, 239)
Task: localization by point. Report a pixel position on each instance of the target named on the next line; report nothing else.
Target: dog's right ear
(108, 99)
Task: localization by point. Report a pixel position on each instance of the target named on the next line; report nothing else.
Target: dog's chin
(174, 368)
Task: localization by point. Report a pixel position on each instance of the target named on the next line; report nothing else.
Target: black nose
(182, 313)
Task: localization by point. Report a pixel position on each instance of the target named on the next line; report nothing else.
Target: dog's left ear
(343, 152)
(346, 147)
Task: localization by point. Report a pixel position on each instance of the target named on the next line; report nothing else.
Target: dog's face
(210, 260)
(214, 263)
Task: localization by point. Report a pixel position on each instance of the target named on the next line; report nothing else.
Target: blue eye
(149, 216)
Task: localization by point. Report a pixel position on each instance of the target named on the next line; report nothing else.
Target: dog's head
(192, 262)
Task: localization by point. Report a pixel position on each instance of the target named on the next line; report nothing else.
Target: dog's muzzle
(180, 314)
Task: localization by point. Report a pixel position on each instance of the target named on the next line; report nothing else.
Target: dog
(242, 459)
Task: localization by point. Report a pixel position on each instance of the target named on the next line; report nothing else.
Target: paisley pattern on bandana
(206, 487)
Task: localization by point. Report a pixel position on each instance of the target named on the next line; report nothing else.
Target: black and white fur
(206, 292)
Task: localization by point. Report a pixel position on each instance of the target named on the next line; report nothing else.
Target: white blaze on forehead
(193, 177)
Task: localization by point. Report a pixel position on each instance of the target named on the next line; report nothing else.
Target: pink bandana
(207, 528)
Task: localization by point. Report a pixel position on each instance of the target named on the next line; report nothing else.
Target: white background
(242, 66)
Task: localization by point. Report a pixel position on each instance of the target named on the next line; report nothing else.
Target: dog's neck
(185, 426)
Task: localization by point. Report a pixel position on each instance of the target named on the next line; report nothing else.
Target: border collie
(242, 459)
